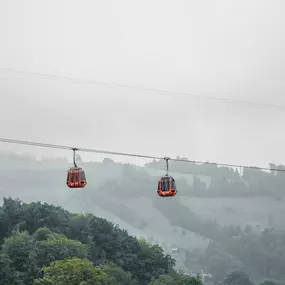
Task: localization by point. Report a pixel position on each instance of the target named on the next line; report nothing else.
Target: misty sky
(232, 49)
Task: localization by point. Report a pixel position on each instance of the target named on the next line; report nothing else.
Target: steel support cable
(160, 91)
(63, 147)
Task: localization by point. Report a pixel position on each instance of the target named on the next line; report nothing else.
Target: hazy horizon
(226, 49)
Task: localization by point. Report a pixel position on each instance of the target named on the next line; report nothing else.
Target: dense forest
(128, 193)
(44, 244)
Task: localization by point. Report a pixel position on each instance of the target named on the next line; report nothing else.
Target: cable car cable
(161, 91)
(55, 146)
(167, 165)
(74, 160)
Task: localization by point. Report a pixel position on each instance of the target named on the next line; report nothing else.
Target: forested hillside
(217, 234)
(44, 244)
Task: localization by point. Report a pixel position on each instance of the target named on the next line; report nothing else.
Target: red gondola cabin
(166, 187)
(76, 178)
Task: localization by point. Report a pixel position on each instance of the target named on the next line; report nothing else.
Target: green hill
(44, 244)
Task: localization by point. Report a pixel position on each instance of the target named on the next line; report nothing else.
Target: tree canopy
(46, 245)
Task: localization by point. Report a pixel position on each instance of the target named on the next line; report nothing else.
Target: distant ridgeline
(211, 180)
(192, 179)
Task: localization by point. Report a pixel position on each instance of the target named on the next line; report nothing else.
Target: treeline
(47, 245)
(213, 181)
(207, 180)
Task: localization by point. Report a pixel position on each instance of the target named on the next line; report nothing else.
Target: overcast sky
(232, 49)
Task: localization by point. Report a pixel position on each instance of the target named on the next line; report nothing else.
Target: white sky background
(231, 49)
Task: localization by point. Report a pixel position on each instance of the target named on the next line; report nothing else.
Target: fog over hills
(205, 211)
